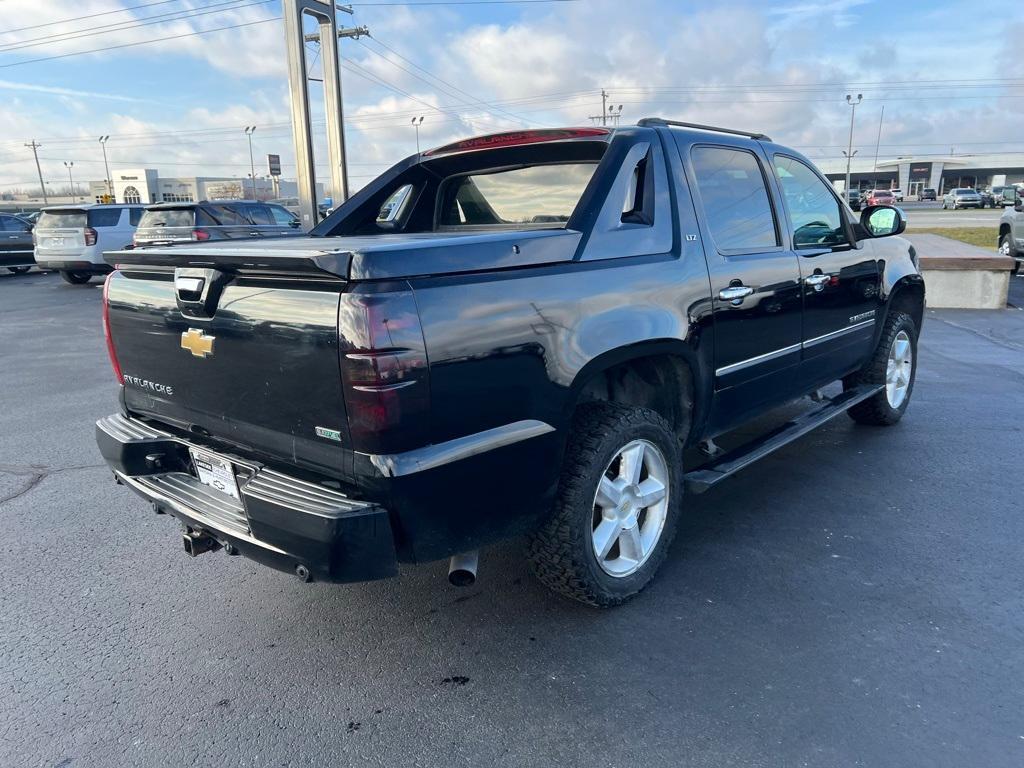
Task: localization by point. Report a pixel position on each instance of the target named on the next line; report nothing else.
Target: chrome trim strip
(432, 456)
(727, 369)
(840, 332)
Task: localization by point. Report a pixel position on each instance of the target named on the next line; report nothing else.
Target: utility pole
(106, 167)
(35, 152)
(879, 139)
(603, 117)
(249, 131)
(850, 153)
(416, 123)
(71, 179)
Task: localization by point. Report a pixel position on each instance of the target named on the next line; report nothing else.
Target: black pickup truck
(516, 334)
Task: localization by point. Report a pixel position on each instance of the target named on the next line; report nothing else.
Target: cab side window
(813, 210)
(735, 198)
(281, 216)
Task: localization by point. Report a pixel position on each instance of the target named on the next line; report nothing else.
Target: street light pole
(249, 131)
(71, 179)
(849, 152)
(106, 166)
(416, 123)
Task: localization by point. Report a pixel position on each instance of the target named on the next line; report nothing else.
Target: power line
(139, 42)
(129, 24)
(447, 84)
(88, 16)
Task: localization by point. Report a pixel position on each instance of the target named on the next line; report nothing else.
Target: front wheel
(617, 508)
(19, 270)
(76, 278)
(893, 366)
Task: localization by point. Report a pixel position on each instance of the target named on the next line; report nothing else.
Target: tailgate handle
(189, 288)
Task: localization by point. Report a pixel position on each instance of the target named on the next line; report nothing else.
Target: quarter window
(735, 199)
(812, 208)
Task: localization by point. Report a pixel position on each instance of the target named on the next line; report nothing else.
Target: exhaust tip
(462, 569)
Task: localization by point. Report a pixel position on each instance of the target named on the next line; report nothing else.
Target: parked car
(879, 197)
(524, 347)
(987, 198)
(15, 244)
(853, 199)
(961, 197)
(71, 239)
(165, 223)
(1008, 196)
(897, 195)
(928, 194)
(1011, 233)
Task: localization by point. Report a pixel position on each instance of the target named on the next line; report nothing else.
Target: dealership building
(146, 185)
(938, 172)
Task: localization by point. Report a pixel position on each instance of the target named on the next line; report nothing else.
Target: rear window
(62, 220)
(540, 195)
(168, 217)
(104, 217)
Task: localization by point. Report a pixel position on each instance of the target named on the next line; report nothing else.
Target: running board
(707, 475)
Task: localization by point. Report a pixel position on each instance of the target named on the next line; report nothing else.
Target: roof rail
(662, 121)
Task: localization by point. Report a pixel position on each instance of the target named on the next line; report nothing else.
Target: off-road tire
(561, 551)
(76, 278)
(876, 410)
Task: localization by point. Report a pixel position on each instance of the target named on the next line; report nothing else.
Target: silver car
(961, 197)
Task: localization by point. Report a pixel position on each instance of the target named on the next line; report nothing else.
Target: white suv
(71, 239)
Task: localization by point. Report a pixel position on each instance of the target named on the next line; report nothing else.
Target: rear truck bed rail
(282, 521)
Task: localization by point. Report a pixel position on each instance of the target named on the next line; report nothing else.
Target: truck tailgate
(256, 365)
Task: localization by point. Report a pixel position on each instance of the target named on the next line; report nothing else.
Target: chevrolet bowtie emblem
(197, 342)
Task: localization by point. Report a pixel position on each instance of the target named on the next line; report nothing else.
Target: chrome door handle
(817, 282)
(735, 294)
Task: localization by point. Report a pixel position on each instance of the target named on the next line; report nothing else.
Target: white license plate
(215, 472)
(55, 242)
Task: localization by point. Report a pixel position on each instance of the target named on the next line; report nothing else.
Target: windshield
(62, 220)
(540, 195)
(964, 192)
(167, 217)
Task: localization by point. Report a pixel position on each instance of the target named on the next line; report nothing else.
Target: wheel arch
(907, 295)
(665, 375)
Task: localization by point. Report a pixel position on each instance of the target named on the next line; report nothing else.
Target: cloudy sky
(71, 70)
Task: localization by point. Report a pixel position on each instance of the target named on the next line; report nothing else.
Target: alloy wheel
(630, 508)
(899, 369)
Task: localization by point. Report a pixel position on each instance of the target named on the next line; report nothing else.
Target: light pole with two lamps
(416, 123)
(71, 179)
(249, 131)
(849, 153)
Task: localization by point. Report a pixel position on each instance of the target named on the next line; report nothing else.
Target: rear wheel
(893, 366)
(617, 507)
(19, 270)
(76, 278)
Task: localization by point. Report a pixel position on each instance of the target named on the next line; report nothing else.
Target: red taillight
(518, 138)
(384, 371)
(106, 330)
(200, 234)
(90, 236)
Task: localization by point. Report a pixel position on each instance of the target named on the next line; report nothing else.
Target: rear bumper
(281, 521)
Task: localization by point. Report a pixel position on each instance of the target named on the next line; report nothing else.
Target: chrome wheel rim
(630, 508)
(1004, 247)
(898, 369)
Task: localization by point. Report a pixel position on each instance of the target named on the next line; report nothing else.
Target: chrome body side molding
(421, 459)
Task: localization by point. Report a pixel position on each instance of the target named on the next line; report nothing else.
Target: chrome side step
(727, 464)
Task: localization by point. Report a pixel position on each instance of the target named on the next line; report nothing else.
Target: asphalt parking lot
(857, 599)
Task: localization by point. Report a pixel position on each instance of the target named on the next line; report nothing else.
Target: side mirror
(883, 220)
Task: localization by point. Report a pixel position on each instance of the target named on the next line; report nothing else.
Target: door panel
(755, 281)
(841, 278)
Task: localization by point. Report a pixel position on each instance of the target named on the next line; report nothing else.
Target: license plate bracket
(216, 472)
